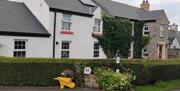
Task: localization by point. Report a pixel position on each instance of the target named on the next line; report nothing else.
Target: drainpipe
(54, 35)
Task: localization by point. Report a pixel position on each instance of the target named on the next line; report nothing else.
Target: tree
(116, 36)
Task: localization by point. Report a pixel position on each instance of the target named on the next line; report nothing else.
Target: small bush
(111, 81)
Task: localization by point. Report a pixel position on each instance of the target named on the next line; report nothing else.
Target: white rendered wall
(82, 42)
(36, 47)
(40, 10)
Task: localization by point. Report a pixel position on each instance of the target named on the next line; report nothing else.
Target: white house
(50, 28)
(64, 28)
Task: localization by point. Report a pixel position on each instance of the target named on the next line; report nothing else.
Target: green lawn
(160, 86)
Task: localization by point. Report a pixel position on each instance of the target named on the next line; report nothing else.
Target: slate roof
(173, 34)
(126, 11)
(16, 19)
(71, 5)
(150, 15)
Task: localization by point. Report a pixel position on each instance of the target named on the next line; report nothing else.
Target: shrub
(149, 72)
(111, 81)
(41, 71)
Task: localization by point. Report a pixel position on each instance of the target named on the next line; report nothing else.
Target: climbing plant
(116, 36)
(140, 41)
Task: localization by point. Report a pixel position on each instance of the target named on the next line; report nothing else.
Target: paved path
(44, 89)
(176, 90)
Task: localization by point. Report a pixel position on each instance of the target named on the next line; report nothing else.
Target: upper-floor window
(97, 25)
(66, 22)
(145, 53)
(19, 48)
(162, 31)
(145, 30)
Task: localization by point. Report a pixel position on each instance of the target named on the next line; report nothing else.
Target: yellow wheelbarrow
(64, 81)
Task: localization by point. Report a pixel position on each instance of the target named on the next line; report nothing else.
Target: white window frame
(66, 20)
(144, 30)
(162, 30)
(96, 50)
(132, 28)
(145, 53)
(65, 49)
(97, 26)
(18, 50)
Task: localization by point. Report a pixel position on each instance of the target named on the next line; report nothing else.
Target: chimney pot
(145, 5)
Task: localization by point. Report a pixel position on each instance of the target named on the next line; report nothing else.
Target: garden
(141, 75)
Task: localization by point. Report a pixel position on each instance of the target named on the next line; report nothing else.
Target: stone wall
(90, 81)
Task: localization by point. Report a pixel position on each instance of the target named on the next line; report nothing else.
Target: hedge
(40, 72)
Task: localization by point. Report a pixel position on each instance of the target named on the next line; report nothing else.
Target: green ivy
(116, 36)
(140, 41)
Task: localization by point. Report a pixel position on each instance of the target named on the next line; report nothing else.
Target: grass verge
(160, 86)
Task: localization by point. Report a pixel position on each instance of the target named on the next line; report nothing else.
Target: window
(65, 49)
(162, 31)
(146, 31)
(96, 49)
(19, 48)
(132, 28)
(145, 53)
(97, 25)
(66, 22)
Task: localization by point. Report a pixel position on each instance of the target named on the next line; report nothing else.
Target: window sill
(98, 34)
(67, 32)
(162, 36)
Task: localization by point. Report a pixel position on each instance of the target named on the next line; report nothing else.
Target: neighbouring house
(64, 28)
(50, 28)
(174, 42)
(156, 25)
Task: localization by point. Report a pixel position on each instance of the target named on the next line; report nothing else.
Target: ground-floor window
(19, 48)
(145, 53)
(65, 49)
(96, 49)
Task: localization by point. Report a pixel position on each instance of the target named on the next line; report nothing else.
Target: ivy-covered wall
(117, 35)
(140, 41)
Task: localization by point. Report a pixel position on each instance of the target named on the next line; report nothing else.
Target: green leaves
(112, 81)
(116, 36)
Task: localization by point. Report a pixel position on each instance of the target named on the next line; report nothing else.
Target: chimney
(145, 5)
(173, 27)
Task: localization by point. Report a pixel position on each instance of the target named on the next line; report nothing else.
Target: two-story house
(64, 28)
(50, 28)
(156, 25)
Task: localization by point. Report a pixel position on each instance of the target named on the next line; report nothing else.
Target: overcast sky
(171, 7)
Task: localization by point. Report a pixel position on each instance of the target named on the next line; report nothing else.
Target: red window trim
(67, 32)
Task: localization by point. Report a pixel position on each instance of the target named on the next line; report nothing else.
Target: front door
(160, 51)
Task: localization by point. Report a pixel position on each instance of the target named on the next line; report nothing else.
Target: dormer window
(162, 31)
(145, 30)
(66, 22)
(97, 26)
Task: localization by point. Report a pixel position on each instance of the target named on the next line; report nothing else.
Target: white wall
(40, 10)
(35, 47)
(175, 44)
(82, 42)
